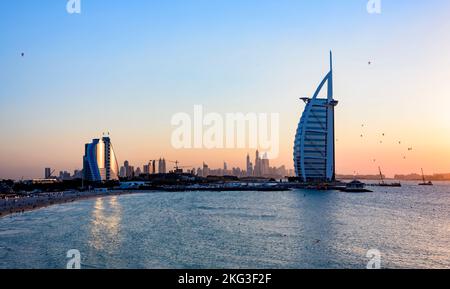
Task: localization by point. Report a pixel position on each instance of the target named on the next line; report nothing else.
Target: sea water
(408, 226)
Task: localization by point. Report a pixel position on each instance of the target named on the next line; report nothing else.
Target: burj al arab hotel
(314, 148)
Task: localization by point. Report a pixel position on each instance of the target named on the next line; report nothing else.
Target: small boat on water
(318, 187)
(393, 185)
(384, 184)
(356, 187)
(425, 183)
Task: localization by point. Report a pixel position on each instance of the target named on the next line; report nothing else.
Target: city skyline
(129, 170)
(182, 54)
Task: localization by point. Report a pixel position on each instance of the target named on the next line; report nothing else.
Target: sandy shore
(23, 204)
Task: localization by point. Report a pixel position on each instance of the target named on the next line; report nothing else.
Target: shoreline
(32, 203)
(18, 205)
(28, 204)
(24, 204)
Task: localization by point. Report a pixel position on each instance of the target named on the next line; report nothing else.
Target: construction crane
(178, 169)
(51, 174)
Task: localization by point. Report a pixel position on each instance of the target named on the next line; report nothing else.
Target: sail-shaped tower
(314, 148)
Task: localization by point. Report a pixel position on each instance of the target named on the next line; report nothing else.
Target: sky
(128, 67)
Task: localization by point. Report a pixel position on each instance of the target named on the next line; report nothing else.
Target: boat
(318, 187)
(356, 187)
(384, 184)
(394, 185)
(425, 183)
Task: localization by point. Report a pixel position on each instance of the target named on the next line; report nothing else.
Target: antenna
(330, 79)
(331, 60)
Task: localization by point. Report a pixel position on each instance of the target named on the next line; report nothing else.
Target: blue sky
(128, 66)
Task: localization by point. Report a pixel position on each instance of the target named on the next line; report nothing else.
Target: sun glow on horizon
(84, 75)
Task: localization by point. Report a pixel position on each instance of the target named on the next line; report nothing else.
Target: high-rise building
(257, 172)
(78, 174)
(64, 176)
(128, 170)
(162, 166)
(146, 169)
(122, 173)
(249, 166)
(99, 161)
(138, 171)
(265, 165)
(314, 148)
(205, 170)
(47, 173)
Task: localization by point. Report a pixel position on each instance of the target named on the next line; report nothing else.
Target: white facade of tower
(314, 147)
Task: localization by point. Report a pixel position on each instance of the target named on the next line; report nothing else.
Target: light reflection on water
(105, 225)
(298, 229)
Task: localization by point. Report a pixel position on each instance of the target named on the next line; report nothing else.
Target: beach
(22, 204)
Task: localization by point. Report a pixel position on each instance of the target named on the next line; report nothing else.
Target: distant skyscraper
(99, 161)
(47, 173)
(162, 166)
(314, 151)
(147, 169)
(78, 174)
(205, 170)
(138, 171)
(249, 166)
(258, 169)
(265, 165)
(127, 170)
(122, 173)
(64, 176)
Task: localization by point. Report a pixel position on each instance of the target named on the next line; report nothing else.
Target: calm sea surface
(410, 226)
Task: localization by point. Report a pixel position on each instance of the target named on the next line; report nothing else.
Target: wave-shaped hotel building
(100, 162)
(314, 148)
